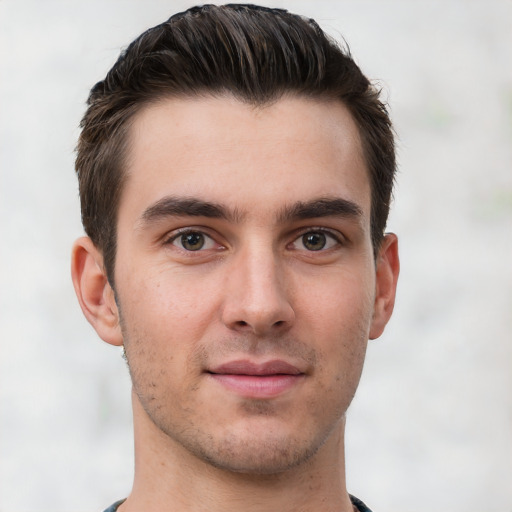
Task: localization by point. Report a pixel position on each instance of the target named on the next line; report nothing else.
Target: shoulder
(358, 504)
(113, 507)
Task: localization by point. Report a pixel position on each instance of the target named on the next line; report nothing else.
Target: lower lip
(258, 386)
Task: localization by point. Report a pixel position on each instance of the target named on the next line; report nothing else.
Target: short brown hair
(253, 53)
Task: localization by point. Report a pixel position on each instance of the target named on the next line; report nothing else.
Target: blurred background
(431, 425)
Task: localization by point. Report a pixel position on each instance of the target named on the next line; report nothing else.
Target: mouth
(257, 380)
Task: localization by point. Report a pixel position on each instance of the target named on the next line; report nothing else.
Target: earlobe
(94, 292)
(387, 270)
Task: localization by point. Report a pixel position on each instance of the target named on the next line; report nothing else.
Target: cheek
(163, 324)
(338, 305)
(337, 315)
(159, 338)
(169, 305)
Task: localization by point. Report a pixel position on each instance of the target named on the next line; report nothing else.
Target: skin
(275, 264)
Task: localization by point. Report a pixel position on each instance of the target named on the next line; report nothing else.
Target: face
(245, 279)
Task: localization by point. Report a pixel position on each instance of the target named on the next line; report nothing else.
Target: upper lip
(244, 367)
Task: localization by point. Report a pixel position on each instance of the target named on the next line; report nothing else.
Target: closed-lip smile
(249, 379)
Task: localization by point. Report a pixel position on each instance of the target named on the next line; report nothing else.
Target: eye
(193, 241)
(315, 241)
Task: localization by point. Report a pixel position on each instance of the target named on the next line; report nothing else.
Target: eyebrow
(171, 206)
(322, 207)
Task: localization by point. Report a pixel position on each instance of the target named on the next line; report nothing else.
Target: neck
(168, 477)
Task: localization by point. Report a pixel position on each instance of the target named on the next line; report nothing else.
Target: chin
(266, 455)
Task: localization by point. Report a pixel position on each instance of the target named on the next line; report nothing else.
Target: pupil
(192, 241)
(314, 241)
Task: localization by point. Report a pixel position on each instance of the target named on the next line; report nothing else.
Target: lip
(257, 380)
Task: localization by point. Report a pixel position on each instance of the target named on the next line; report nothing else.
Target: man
(235, 172)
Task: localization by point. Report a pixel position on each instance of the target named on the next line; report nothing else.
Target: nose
(256, 295)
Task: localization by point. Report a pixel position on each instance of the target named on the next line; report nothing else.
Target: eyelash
(188, 231)
(336, 237)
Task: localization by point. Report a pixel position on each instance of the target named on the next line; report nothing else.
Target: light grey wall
(431, 425)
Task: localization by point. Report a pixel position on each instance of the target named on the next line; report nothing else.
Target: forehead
(252, 159)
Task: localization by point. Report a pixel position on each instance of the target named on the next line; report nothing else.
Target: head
(255, 54)
(235, 173)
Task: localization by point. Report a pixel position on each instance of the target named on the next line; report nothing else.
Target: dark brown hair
(253, 53)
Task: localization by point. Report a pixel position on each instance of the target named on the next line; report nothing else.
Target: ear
(94, 292)
(387, 270)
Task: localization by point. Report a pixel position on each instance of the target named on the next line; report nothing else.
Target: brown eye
(317, 241)
(314, 241)
(192, 241)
